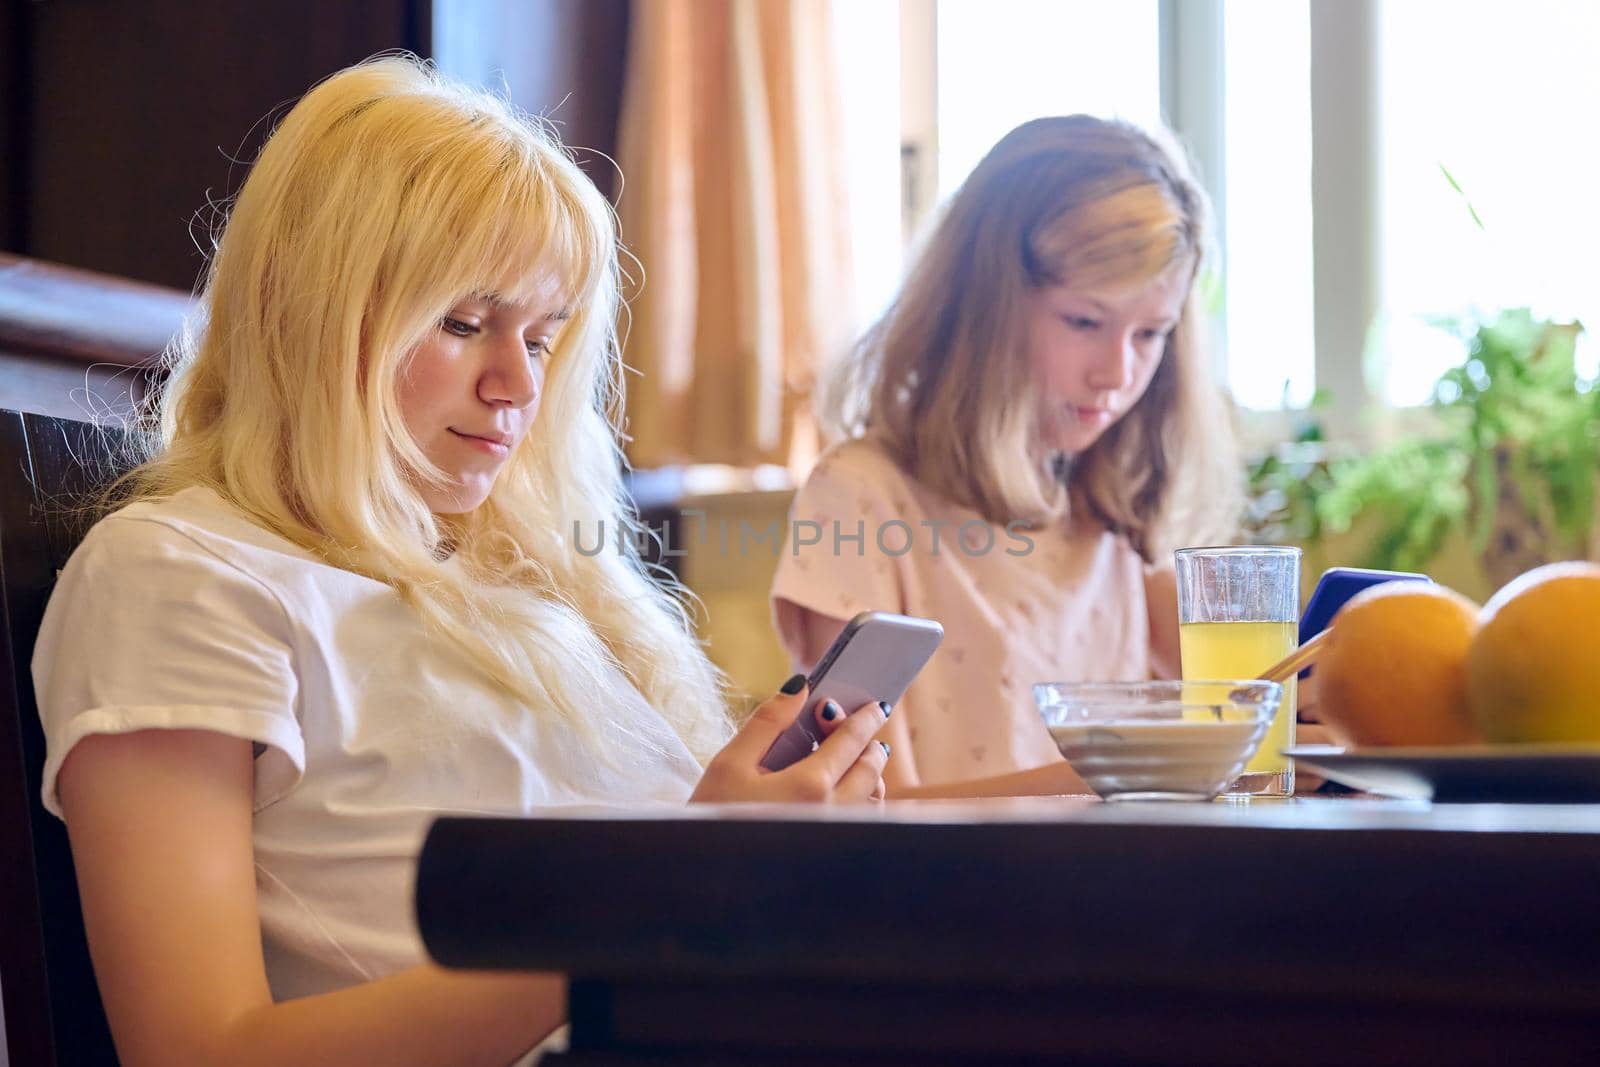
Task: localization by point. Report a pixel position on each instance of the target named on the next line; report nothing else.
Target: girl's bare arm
(160, 822)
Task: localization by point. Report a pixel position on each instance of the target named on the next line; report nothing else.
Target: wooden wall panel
(137, 106)
(13, 154)
(563, 59)
(123, 118)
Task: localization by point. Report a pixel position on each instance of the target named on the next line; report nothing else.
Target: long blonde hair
(942, 381)
(387, 195)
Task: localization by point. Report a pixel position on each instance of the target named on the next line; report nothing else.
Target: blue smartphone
(875, 657)
(1335, 588)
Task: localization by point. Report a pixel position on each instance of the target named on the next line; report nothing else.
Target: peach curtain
(733, 201)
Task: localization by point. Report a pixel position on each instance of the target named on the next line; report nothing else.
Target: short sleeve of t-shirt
(149, 629)
(850, 525)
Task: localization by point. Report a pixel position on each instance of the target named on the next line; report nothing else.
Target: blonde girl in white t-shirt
(344, 594)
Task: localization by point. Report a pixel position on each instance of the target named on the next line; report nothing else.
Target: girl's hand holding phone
(846, 768)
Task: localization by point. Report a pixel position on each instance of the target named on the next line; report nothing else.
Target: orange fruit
(1393, 671)
(1533, 671)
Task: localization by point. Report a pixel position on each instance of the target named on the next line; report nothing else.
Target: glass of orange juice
(1238, 614)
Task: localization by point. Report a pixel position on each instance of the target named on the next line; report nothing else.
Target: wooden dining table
(1311, 931)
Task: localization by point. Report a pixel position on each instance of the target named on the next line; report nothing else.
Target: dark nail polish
(831, 711)
(793, 685)
(885, 745)
(885, 706)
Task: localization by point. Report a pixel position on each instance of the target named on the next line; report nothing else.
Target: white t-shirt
(182, 613)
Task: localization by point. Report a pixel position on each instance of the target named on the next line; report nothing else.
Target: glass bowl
(1158, 740)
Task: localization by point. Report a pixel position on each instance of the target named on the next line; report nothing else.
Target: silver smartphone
(875, 657)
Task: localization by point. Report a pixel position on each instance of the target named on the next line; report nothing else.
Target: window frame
(1346, 193)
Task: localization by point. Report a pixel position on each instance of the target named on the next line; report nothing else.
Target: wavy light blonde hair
(942, 380)
(387, 195)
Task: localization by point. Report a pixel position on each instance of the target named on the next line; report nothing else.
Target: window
(970, 70)
(1496, 96)
(1003, 62)
(932, 84)
(1267, 204)
(1405, 100)
(866, 37)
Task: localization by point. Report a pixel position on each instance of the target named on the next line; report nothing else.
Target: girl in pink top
(1029, 431)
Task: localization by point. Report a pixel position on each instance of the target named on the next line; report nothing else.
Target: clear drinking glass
(1238, 614)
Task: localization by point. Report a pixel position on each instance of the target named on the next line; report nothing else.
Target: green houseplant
(1511, 461)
